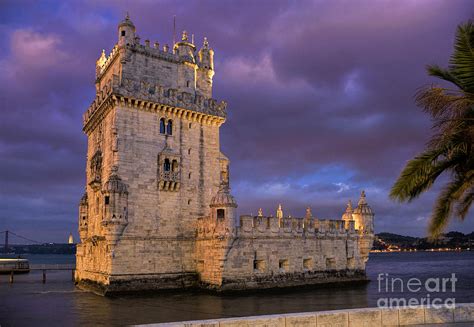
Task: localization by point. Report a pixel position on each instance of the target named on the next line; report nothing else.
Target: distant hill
(46, 248)
(450, 240)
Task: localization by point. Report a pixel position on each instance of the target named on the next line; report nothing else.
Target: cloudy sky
(320, 98)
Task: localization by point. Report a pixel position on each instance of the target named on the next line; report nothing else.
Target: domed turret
(362, 206)
(223, 198)
(115, 212)
(126, 31)
(205, 72)
(115, 185)
(206, 56)
(364, 224)
(184, 48)
(223, 207)
(363, 216)
(347, 215)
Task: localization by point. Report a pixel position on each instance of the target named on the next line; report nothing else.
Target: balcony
(169, 181)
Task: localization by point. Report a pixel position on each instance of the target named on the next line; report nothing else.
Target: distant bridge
(7, 234)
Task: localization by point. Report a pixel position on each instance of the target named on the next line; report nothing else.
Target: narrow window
(190, 125)
(123, 33)
(189, 202)
(330, 263)
(220, 213)
(167, 165)
(187, 84)
(189, 151)
(283, 265)
(107, 200)
(259, 265)
(169, 127)
(174, 166)
(162, 126)
(189, 176)
(308, 264)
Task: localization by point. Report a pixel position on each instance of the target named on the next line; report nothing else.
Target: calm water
(59, 303)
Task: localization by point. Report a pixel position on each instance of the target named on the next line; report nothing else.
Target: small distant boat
(15, 265)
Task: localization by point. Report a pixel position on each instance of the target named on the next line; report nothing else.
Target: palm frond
(464, 204)
(444, 204)
(462, 60)
(418, 175)
(444, 74)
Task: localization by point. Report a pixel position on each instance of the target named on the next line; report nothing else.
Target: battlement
(165, 53)
(259, 226)
(153, 96)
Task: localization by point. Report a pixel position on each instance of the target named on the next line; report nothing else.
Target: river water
(58, 303)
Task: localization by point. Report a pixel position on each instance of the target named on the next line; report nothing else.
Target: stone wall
(266, 252)
(461, 315)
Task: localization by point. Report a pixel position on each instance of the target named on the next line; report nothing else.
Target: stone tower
(153, 164)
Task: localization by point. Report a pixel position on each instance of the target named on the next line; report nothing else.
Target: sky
(320, 100)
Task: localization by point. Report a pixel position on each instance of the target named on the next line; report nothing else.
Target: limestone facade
(157, 212)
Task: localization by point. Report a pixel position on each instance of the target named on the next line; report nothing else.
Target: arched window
(174, 166)
(167, 165)
(169, 127)
(162, 126)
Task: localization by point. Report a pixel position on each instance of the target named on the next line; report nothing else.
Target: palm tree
(450, 150)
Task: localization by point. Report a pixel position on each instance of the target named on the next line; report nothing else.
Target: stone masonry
(157, 212)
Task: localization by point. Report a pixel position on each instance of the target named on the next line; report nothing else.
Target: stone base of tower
(132, 283)
(289, 280)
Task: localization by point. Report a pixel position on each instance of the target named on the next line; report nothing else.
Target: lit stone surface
(157, 212)
(441, 315)
(389, 317)
(332, 319)
(351, 318)
(411, 316)
(302, 319)
(367, 318)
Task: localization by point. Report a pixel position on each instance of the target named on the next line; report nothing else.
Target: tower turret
(184, 48)
(83, 217)
(205, 71)
(363, 216)
(347, 215)
(223, 207)
(364, 224)
(126, 31)
(115, 214)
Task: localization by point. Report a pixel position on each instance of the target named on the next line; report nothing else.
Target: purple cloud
(320, 99)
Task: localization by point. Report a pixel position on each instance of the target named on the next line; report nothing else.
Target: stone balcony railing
(169, 181)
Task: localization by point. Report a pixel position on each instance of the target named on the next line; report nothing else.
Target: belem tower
(157, 212)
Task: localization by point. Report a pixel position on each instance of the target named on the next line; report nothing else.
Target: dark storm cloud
(320, 99)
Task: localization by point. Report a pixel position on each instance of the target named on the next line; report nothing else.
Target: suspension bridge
(44, 268)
